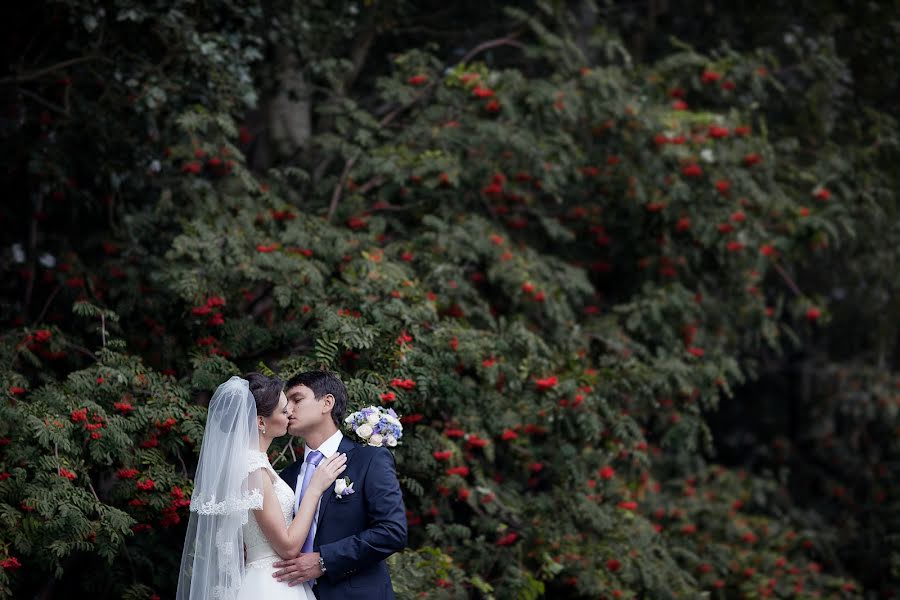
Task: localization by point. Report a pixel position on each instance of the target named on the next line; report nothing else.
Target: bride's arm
(288, 541)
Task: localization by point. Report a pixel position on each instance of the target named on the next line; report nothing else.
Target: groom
(353, 534)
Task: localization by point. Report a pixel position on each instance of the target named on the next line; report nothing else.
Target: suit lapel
(347, 447)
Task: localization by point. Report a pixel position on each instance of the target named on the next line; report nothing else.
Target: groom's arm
(386, 533)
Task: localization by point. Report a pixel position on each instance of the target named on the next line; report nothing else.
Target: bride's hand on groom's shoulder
(328, 471)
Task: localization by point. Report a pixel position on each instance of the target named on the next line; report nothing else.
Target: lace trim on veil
(249, 500)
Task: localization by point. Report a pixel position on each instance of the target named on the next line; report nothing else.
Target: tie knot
(314, 458)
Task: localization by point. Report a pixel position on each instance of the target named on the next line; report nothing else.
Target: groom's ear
(327, 403)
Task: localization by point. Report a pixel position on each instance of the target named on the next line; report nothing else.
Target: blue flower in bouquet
(376, 426)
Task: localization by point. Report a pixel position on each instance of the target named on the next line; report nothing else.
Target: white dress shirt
(328, 447)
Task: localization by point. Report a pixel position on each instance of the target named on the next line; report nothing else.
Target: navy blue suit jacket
(356, 533)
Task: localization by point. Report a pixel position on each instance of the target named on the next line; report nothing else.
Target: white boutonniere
(343, 487)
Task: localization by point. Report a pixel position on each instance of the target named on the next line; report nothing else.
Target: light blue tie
(312, 461)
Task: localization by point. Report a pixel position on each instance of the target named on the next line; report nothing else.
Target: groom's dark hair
(322, 383)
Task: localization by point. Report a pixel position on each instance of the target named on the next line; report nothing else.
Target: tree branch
(83, 350)
(359, 52)
(32, 250)
(509, 40)
(339, 188)
(93, 491)
(46, 70)
(284, 450)
(374, 182)
(47, 304)
(183, 466)
(43, 102)
(788, 280)
(392, 207)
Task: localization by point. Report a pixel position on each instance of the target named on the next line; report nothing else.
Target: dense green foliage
(553, 263)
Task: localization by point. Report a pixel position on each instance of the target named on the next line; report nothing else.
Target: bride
(227, 554)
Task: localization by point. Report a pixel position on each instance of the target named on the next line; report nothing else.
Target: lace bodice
(259, 551)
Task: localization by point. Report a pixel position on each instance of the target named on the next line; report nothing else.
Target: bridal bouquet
(376, 426)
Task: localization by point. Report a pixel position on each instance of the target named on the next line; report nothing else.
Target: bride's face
(277, 424)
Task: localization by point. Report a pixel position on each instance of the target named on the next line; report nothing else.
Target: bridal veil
(212, 562)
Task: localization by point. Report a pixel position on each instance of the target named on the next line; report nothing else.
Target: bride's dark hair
(266, 392)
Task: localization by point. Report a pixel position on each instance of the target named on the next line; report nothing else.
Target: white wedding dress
(258, 582)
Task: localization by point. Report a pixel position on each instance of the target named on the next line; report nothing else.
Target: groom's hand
(298, 570)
